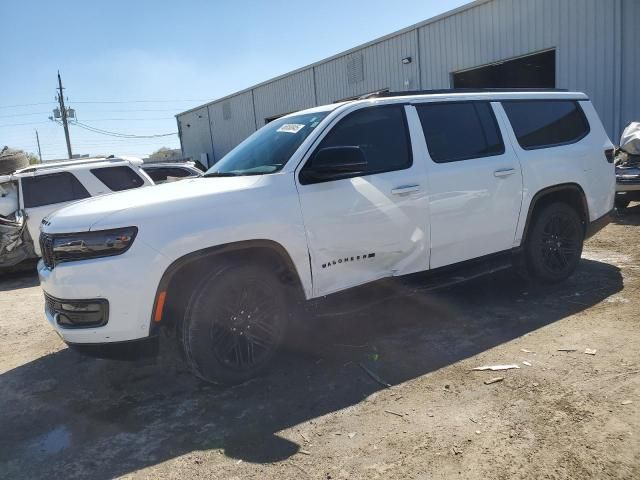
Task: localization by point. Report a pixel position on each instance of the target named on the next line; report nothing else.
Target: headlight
(82, 246)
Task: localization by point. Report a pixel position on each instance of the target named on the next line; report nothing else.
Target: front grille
(46, 248)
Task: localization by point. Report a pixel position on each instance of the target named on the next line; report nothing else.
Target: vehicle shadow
(22, 276)
(628, 216)
(63, 415)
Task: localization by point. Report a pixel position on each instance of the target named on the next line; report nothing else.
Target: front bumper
(126, 283)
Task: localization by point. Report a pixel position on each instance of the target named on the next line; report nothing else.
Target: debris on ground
(394, 413)
(456, 451)
(496, 367)
(626, 402)
(590, 351)
(567, 349)
(528, 364)
(352, 434)
(374, 376)
(493, 380)
(526, 350)
(304, 452)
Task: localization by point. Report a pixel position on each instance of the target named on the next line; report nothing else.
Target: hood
(183, 198)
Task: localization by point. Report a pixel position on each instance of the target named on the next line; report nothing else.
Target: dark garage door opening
(533, 71)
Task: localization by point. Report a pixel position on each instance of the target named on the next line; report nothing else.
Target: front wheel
(234, 323)
(555, 245)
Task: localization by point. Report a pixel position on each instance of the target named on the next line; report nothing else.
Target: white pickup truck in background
(30, 194)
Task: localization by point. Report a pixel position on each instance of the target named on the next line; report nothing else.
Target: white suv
(323, 200)
(30, 194)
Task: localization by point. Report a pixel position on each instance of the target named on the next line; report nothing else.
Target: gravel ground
(319, 414)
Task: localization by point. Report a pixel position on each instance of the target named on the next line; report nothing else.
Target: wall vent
(355, 69)
(226, 111)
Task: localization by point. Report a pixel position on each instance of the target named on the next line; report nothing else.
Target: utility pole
(38, 140)
(63, 114)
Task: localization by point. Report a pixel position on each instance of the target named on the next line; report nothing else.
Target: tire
(234, 323)
(554, 247)
(621, 203)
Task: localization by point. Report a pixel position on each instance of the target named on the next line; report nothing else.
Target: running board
(360, 298)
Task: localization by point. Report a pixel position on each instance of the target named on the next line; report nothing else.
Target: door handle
(404, 189)
(504, 172)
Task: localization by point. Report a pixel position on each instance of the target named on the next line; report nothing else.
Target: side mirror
(333, 163)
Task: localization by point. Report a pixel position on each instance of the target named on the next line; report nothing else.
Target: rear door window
(457, 131)
(52, 188)
(118, 178)
(546, 123)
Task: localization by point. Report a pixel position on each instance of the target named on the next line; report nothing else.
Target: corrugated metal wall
(228, 130)
(195, 136)
(630, 78)
(381, 68)
(289, 94)
(583, 32)
(596, 44)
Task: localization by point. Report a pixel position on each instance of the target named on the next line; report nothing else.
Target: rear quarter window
(118, 178)
(457, 131)
(546, 123)
(51, 189)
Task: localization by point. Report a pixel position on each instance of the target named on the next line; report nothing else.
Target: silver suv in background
(163, 172)
(30, 194)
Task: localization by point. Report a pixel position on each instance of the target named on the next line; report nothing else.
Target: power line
(121, 135)
(140, 101)
(26, 104)
(21, 124)
(22, 114)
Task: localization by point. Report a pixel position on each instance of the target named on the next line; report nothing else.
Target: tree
(165, 153)
(33, 158)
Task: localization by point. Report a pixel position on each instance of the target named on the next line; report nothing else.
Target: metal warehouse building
(587, 45)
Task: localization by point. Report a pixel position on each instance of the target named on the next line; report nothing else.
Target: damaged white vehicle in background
(30, 194)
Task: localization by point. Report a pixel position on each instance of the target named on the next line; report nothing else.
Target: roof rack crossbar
(383, 94)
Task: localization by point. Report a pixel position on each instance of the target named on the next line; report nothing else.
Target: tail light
(610, 154)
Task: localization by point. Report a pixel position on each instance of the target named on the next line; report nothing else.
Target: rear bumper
(597, 225)
(628, 187)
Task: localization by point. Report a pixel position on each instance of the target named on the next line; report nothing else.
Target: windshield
(268, 149)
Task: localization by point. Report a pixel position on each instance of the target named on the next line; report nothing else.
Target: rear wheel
(234, 323)
(555, 244)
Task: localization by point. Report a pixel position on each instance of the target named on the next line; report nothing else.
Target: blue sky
(153, 59)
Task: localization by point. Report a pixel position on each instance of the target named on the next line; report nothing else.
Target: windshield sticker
(291, 128)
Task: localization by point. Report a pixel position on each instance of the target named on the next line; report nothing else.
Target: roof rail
(45, 166)
(383, 94)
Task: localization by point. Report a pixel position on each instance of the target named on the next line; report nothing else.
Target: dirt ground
(319, 414)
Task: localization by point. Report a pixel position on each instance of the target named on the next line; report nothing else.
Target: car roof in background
(76, 165)
(168, 164)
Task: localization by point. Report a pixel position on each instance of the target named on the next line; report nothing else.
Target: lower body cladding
(98, 305)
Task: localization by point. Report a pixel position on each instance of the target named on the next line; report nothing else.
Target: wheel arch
(570, 193)
(185, 274)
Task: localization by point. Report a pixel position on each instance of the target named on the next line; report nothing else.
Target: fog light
(78, 313)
